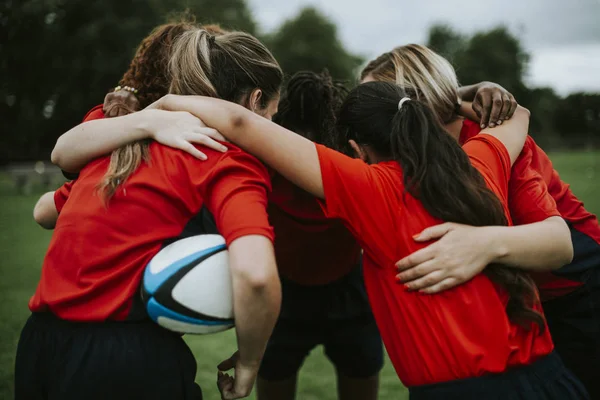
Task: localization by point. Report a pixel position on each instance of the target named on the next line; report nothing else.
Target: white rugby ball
(187, 286)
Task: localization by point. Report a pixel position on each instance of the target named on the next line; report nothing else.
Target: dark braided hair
(309, 106)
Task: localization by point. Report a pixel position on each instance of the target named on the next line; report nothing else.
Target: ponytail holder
(402, 101)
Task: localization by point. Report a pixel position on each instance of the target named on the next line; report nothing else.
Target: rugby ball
(187, 286)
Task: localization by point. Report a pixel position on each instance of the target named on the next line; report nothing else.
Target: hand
(180, 130)
(493, 104)
(241, 384)
(119, 103)
(461, 252)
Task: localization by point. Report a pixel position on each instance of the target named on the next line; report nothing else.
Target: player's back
(101, 246)
(461, 333)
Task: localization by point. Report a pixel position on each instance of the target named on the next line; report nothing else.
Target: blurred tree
(577, 120)
(446, 41)
(309, 41)
(495, 56)
(230, 14)
(61, 57)
(543, 103)
(58, 58)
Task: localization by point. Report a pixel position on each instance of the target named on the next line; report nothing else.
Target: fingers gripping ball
(187, 286)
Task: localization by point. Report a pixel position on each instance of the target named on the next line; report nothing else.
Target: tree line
(58, 58)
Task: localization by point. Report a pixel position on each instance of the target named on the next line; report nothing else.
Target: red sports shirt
(98, 253)
(569, 207)
(310, 249)
(461, 333)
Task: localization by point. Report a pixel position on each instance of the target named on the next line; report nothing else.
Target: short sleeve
(61, 195)
(343, 178)
(351, 189)
(492, 160)
(95, 113)
(236, 192)
(528, 197)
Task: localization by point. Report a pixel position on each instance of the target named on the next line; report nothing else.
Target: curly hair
(309, 106)
(148, 71)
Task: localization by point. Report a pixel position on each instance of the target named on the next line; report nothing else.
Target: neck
(454, 127)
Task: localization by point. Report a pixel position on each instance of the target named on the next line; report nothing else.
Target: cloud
(567, 68)
(560, 35)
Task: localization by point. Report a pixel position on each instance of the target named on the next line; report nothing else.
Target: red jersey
(98, 252)
(460, 333)
(310, 249)
(550, 284)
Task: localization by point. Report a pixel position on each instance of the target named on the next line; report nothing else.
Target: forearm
(290, 154)
(257, 296)
(467, 93)
(539, 246)
(90, 140)
(466, 110)
(512, 133)
(239, 125)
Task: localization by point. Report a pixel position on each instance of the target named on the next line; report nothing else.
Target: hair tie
(402, 101)
(212, 40)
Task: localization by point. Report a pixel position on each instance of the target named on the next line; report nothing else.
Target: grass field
(23, 244)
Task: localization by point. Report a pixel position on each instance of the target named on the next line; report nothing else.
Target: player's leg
(30, 358)
(357, 388)
(574, 319)
(284, 389)
(356, 350)
(574, 324)
(111, 360)
(352, 341)
(293, 337)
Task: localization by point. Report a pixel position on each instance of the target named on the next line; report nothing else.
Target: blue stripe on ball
(153, 281)
(156, 310)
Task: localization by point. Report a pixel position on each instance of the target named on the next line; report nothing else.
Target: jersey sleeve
(236, 194)
(492, 160)
(528, 197)
(351, 188)
(61, 195)
(95, 113)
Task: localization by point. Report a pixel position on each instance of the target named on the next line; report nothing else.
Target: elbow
(41, 219)
(257, 278)
(238, 121)
(564, 254)
(55, 157)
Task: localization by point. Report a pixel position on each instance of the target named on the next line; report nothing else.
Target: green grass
(23, 244)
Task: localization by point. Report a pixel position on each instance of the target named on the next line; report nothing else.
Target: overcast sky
(562, 36)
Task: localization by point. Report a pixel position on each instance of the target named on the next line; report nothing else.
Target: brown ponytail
(437, 172)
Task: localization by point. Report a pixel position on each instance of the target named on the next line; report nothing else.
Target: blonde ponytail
(190, 64)
(423, 74)
(228, 65)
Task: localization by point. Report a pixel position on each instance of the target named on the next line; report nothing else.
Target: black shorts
(61, 360)
(337, 316)
(545, 379)
(574, 319)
